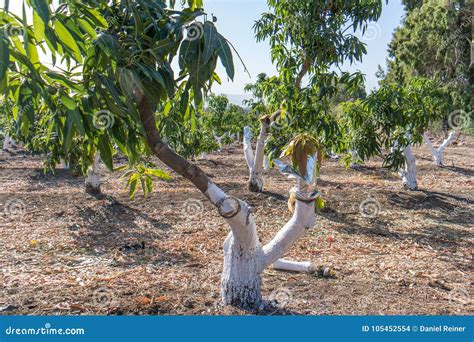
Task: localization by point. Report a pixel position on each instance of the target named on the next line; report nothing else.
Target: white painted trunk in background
(219, 141)
(248, 151)
(244, 257)
(256, 175)
(255, 162)
(408, 174)
(266, 164)
(65, 164)
(355, 159)
(8, 143)
(438, 152)
(93, 176)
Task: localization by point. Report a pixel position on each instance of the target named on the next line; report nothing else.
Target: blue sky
(235, 19)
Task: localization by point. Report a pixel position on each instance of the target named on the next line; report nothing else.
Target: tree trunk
(409, 173)
(219, 141)
(266, 164)
(244, 257)
(93, 176)
(256, 172)
(8, 143)
(438, 152)
(255, 162)
(355, 160)
(241, 280)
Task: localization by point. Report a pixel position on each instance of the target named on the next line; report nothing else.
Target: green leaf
(158, 173)
(39, 26)
(108, 44)
(149, 183)
(87, 28)
(4, 56)
(133, 185)
(211, 41)
(42, 8)
(68, 102)
(105, 149)
(77, 119)
(320, 203)
(66, 37)
(225, 55)
(96, 17)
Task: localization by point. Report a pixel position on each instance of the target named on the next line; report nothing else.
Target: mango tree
(434, 42)
(265, 99)
(390, 120)
(309, 40)
(117, 60)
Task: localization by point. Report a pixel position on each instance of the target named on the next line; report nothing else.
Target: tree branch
(302, 73)
(295, 266)
(236, 212)
(302, 218)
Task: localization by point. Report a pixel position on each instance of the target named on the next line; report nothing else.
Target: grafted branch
(303, 218)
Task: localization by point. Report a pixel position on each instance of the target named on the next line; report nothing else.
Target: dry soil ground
(64, 252)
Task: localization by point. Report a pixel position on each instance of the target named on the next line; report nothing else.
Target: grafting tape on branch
(228, 207)
(305, 195)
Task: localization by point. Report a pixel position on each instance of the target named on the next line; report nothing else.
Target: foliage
(311, 38)
(390, 118)
(192, 137)
(107, 57)
(434, 42)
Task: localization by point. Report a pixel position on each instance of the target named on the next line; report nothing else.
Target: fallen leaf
(143, 300)
(160, 299)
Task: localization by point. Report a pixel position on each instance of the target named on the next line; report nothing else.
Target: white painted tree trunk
(244, 257)
(256, 174)
(219, 141)
(8, 143)
(266, 164)
(438, 152)
(93, 176)
(408, 174)
(65, 163)
(255, 162)
(355, 159)
(295, 266)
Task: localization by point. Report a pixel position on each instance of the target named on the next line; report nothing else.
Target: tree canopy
(108, 59)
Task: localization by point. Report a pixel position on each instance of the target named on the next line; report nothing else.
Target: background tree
(434, 42)
(265, 99)
(309, 40)
(390, 120)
